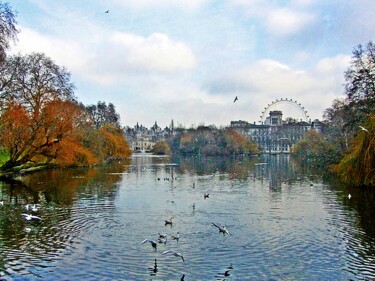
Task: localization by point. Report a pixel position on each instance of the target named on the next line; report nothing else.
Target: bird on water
(169, 221)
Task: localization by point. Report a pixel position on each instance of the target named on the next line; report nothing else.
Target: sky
(158, 60)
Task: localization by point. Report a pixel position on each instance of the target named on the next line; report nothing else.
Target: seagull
(162, 240)
(235, 99)
(106, 12)
(174, 253)
(152, 242)
(162, 235)
(30, 217)
(33, 208)
(363, 129)
(176, 237)
(206, 195)
(222, 229)
(169, 221)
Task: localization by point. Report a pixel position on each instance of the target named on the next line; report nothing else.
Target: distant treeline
(206, 141)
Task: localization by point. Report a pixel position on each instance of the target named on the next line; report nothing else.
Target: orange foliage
(74, 153)
(114, 144)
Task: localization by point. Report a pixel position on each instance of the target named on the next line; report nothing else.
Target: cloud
(156, 52)
(285, 21)
(141, 4)
(266, 80)
(278, 20)
(109, 58)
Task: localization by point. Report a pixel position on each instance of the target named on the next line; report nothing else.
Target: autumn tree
(36, 96)
(357, 167)
(8, 30)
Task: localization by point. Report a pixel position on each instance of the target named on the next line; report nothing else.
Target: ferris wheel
(298, 108)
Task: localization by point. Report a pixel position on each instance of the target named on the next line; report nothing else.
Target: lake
(285, 222)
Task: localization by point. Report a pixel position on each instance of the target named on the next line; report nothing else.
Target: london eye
(289, 106)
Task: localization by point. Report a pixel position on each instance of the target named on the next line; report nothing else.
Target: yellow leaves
(113, 142)
(73, 153)
(358, 166)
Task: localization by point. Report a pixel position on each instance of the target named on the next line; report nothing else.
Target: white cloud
(278, 20)
(285, 21)
(266, 80)
(64, 52)
(141, 4)
(107, 59)
(154, 53)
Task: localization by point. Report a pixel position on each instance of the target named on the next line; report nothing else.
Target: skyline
(188, 60)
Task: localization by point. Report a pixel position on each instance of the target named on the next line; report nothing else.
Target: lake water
(285, 223)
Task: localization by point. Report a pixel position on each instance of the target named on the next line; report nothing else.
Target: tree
(8, 30)
(161, 148)
(336, 119)
(358, 165)
(360, 84)
(28, 139)
(103, 114)
(314, 149)
(32, 81)
(33, 92)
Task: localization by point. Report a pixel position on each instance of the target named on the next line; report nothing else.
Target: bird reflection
(153, 270)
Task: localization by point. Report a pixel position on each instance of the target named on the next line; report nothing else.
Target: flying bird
(222, 229)
(235, 99)
(30, 217)
(152, 242)
(106, 12)
(363, 129)
(174, 253)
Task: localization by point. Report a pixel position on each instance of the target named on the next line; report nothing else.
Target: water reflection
(285, 222)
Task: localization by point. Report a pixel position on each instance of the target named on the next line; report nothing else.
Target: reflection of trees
(236, 167)
(55, 191)
(363, 200)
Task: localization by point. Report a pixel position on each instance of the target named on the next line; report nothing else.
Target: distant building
(142, 139)
(275, 135)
